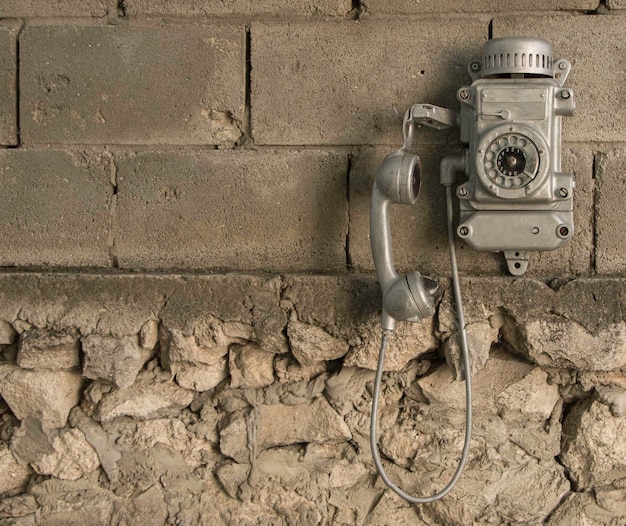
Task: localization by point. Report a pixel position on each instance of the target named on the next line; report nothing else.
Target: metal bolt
(563, 192)
(535, 230)
(463, 231)
(475, 66)
(463, 192)
(565, 94)
(562, 65)
(564, 231)
(464, 94)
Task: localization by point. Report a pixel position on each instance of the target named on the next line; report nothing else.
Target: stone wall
(189, 314)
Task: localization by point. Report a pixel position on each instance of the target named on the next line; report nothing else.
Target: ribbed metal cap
(529, 56)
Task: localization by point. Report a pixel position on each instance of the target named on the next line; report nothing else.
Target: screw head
(565, 94)
(562, 65)
(464, 231)
(462, 192)
(475, 66)
(563, 192)
(464, 94)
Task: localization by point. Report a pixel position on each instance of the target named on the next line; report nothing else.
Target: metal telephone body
(516, 198)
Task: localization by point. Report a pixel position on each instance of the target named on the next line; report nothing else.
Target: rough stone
(480, 338)
(189, 92)
(595, 87)
(146, 509)
(149, 334)
(8, 334)
(145, 400)
(594, 450)
(13, 476)
(204, 210)
(42, 349)
(281, 425)
(97, 438)
(20, 506)
(310, 344)
(46, 395)
(326, 96)
(530, 399)
(193, 8)
(71, 456)
(113, 360)
(500, 372)
(250, 366)
(410, 341)
(556, 341)
(584, 508)
(200, 377)
(614, 397)
(66, 221)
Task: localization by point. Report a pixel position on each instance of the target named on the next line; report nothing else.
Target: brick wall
(189, 316)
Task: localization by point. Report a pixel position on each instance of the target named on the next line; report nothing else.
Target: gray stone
(327, 97)
(113, 360)
(270, 211)
(594, 450)
(65, 222)
(13, 476)
(145, 399)
(42, 349)
(597, 118)
(310, 344)
(232, 476)
(250, 366)
(480, 338)
(194, 8)
(46, 395)
(190, 91)
(147, 508)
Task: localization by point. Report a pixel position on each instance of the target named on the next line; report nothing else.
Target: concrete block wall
(131, 98)
(189, 314)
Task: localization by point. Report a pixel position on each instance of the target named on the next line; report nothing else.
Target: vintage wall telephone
(515, 200)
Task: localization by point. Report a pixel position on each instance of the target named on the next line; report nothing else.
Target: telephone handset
(515, 200)
(407, 297)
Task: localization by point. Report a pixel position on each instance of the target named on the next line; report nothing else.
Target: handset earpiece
(408, 297)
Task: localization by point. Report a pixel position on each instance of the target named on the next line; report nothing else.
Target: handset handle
(407, 297)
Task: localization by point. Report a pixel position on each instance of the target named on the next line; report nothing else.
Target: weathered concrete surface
(65, 221)
(8, 81)
(596, 86)
(161, 84)
(610, 212)
(247, 210)
(351, 83)
(195, 8)
(64, 8)
(400, 7)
